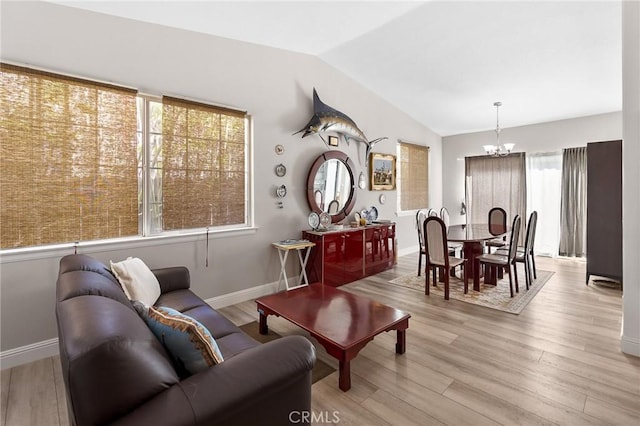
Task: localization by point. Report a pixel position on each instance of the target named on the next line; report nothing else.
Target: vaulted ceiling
(443, 62)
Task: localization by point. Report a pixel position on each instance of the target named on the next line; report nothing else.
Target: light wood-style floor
(559, 362)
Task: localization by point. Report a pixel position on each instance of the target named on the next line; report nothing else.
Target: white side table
(284, 247)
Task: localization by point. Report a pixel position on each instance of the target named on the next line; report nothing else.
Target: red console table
(349, 254)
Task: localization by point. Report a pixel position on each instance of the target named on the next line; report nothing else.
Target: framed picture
(382, 171)
(333, 141)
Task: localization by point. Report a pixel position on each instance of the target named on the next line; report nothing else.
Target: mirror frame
(351, 201)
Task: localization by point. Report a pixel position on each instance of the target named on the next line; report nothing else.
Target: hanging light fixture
(498, 150)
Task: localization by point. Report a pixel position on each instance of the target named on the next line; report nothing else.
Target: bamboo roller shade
(414, 176)
(68, 159)
(204, 170)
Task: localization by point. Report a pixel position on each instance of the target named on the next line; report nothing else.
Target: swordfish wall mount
(328, 119)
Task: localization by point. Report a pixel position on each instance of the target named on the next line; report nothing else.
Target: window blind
(204, 171)
(68, 166)
(414, 176)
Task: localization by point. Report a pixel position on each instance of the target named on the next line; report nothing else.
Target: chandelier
(498, 150)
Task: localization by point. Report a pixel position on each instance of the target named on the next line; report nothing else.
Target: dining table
(473, 236)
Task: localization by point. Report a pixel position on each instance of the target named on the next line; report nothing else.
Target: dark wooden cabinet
(344, 256)
(604, 209)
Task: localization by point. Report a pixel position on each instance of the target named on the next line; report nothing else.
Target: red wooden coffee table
(342, 322)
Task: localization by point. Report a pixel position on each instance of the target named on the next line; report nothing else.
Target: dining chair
(497, 225)
(437, 255)
(421, 216)
(524, 254)
(432, 212)
(533, 242)
(456, 248)
(319, 198)
(492, 261)
(333, 207)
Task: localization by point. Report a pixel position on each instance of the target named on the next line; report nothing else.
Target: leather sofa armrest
(174, 278)
(262, 385)
(267, 385)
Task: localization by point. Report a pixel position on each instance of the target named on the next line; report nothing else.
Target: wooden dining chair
(333, 207)
(432, 212)
(497, 224)
(492, 261)
(421, 216)
(437, 255)
(454, 248)
(524, 254)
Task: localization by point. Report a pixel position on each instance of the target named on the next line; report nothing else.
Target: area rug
(494, 297)
(320, 370)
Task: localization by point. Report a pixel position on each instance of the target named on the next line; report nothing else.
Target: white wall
(631, 176)
(273, 85)
(543, 137)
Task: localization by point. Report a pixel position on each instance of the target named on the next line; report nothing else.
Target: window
(496, 182)
(85, 161)
(544, 183)
(413, 181)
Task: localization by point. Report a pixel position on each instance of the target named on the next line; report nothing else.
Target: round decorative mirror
(331, 186)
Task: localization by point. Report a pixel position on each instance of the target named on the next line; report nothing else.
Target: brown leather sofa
(117, 372)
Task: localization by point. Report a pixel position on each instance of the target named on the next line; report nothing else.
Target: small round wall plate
(382, 198)
(325, 219)
(281, 170)
(281, 191)
(279, 149)
(314, 220)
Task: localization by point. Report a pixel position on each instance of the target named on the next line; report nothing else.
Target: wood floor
(559, 362)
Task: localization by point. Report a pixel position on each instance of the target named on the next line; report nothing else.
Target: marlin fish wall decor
(328, 119)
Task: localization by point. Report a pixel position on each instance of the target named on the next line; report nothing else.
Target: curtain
(544, 180)
(573, 210)
(496, 182)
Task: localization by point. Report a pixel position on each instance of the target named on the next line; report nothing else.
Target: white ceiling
(444, 63)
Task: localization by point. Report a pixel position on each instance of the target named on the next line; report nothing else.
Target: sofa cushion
(189, 343)
(137, 280)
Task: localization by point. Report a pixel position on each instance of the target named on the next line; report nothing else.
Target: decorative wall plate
(314, 220)
(281, 170)
(281, 191)
(382, 198)
(279, 149)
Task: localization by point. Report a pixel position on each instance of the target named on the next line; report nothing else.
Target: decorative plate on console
(373, 214)
(325, 219)
(314, 220)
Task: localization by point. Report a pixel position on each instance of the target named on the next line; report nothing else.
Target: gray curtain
(573, 204)
(496, 182)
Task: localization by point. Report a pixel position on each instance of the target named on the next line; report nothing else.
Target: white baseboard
(246, 294)
(36, 351)
(630, 345)
(408, 250)
(29, 353)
